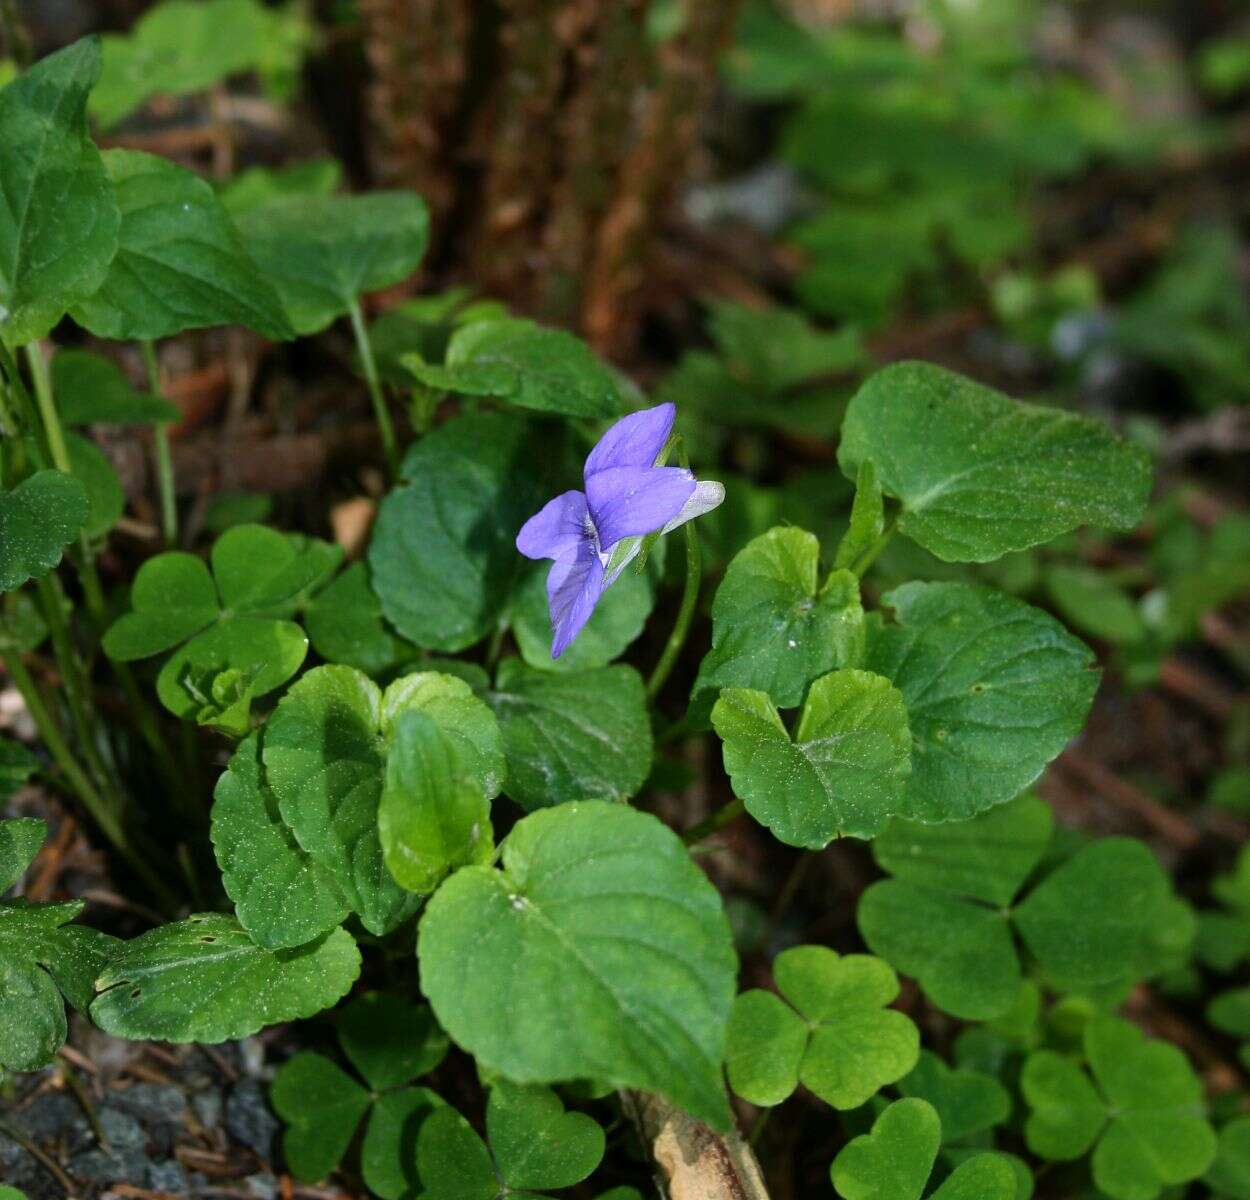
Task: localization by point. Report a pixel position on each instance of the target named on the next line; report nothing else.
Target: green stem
(48, 417)
(164, 457)
(386, 427)
(869, 556)
(685, 615)
(725, 815)
(16, 35)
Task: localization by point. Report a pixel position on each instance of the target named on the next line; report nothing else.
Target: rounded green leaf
(59, 219)
(1229, 1175)
(549, 969)
(205, 980)
(894, 1160)
(173, 597)
(38, 519)
(19, 843)
(321, 1105)
(105, 499)
(1066, 1113)
(344, 623)
(387, 1158)
(773, 629)
(261, 571)
(1230, 1012)
(443, 555)
(966, 1101)
(281, 896)
(765, 1046)
(980, 474)
(180, 263)
(1094, 604)
(390, 1041)
(535, 1143)
(91, 389)
(572, 736)
(844, 772)
(452, 1161)
(994, 690)
(982, 1177)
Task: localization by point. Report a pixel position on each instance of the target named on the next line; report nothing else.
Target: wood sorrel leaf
(390, 1041)
(443, 555)
(282, 897)
(38, 519)
(173, 598)
(994, 690)
(59, 219)
(205, 980)
(843, 773)
(1230, 1172)
(259, 570)
(980, 474)
(180, 263)
(344, 623)
(322, 253)
(535, 1143)
(322, 1106)
(90, 389)
(966, 1102)
(387, 1161)
(525, 364)
(452, 1161)
(597, 912)
(433, 815)
(772, 630)
(572, 736)
(838, 1039)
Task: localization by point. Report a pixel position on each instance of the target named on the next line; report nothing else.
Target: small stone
(152, 1103)
(116, 1166)
(207, 1106)
(263, 1186)
(51, 1115)
(168, 1177)
(249, 1119)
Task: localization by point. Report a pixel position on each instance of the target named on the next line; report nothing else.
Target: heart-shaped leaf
(535, 1143)
(894, 1160)
(597, 910)
(260, 571)
(390, 1041)
(966, 1102)
(1229, 1176)
(38, 519)
(180, 263)
(844, 772)
(173, 598)
(205, 980)
(59, 219)
(344, 623)
(980, 474)
(773, 630)
(322, 1106)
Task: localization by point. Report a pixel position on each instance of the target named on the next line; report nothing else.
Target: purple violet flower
(627, 496)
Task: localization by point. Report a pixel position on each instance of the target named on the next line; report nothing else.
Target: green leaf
(966, 1102)
(844, 772)
(261, 571)
(526, 364)
(772, 630)
(867, 519)
(839, 1039)
(390, 1041)
(105, 499)
(1229, 1176)
(572, 736)
(433, 815)
(994, 690)
(982, 1177)
(173, 598)
(387, 1151)
(38, 519)
(205, 980)
(535, 1143)
(443, 555)
(59, 221)
(1230, 1012)
(452, 1161)
(894, 1160)
(282, 897)
(17, 765)
(322, 1106)
(257, 186)
(980, 474)
(322, 253)
(19, 843)
(344, 623)
(90, 389)
(1151, 1132)
(1098, 607)
(597, 911)
(180, 263)
(324, 760)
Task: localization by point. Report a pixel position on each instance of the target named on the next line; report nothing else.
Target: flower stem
(869, 556)
(685, 615)
(386, 427)
(164, 457)
(725, 815)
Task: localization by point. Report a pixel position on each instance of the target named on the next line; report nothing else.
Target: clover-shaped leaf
(59, 221)
(966, 1101)
(41, 958)
(1223, 937)
(1144, 1110)
(345, 626)
(180, 262)
(994, 690)
(391, 1043)
(173, 598)
(38, 519)
(534, 1144)
(526, 364)
(596, 912)
(205, 980)
(979, 474)
(773, 629)
(1230, 1012)
(1229, 1174)
(572, 735)
(844, 772)
(894, 1161)
(90, 389)
(1092, 921)
(835, 1036)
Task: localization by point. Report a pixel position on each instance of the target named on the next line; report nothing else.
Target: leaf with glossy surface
(773, 630)
(205, 980)
(980, 474)
(38, 519)
(20, 840)
(994, 690)
(844, 772)
(180, 262)
(572, 736)
(615, 950)
(58, 216)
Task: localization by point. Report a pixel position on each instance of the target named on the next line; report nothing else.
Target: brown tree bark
(549, 137)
